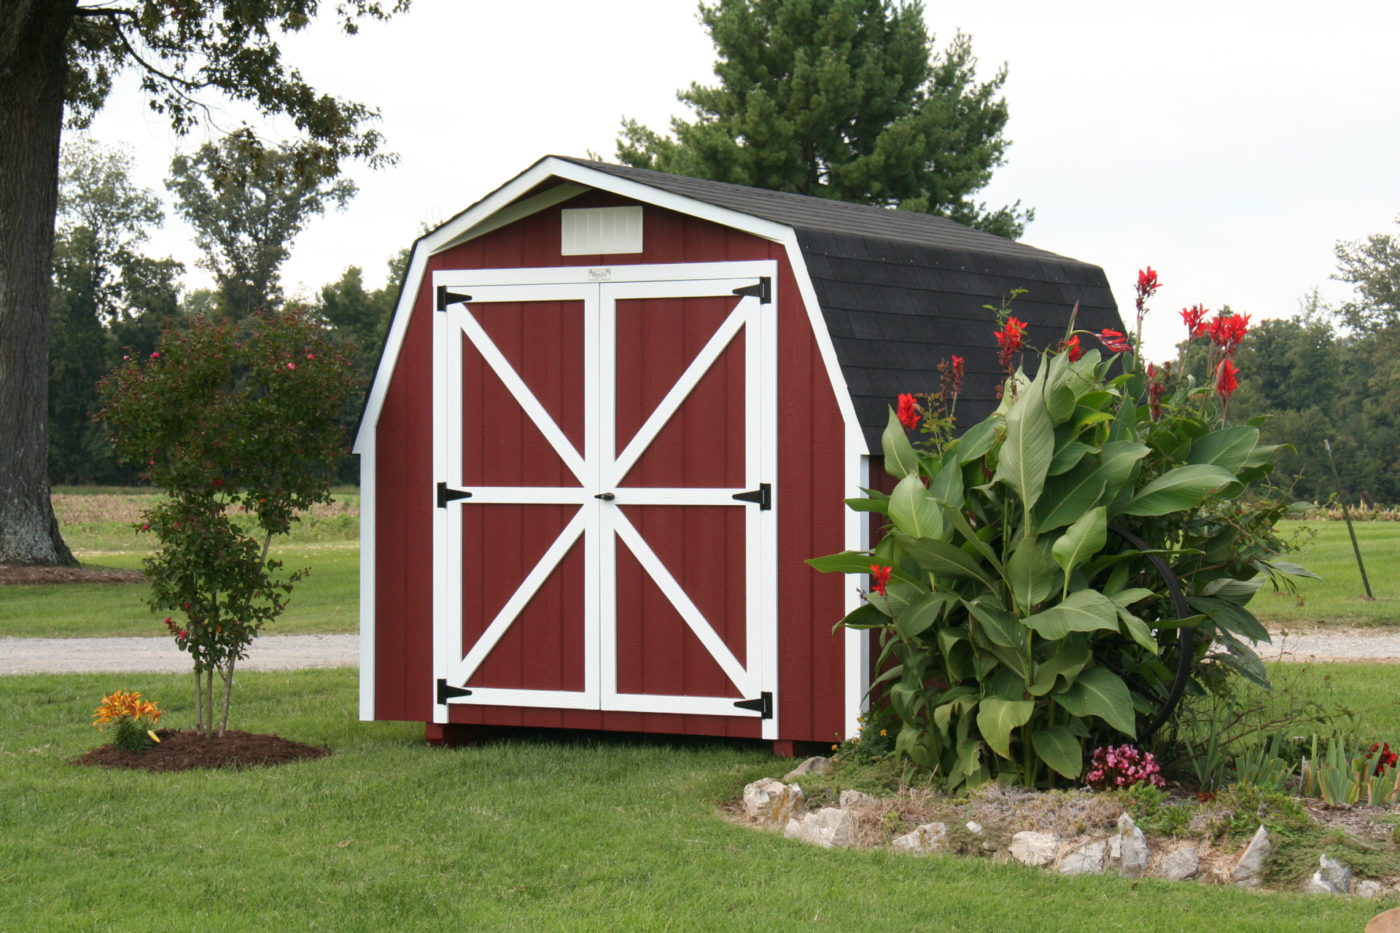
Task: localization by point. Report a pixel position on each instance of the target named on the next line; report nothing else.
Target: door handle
(605, 496)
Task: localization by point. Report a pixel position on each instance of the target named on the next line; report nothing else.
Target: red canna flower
(1225, 381)
(1227, 332)
(1010, 338)
(879, 577)
(908, 411)
(1194, 317)
(1072, 347)
(1147, 282)
(1114, 340)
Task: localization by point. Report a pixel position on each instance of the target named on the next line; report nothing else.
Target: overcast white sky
(1227, 144)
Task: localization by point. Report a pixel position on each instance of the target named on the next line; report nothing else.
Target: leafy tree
(357, 318)
(57, 63)
(247, 202)
(1371, 265)
(236, 422)
(843, 99)
(105, 295)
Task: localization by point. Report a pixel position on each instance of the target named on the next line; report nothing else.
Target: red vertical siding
(809, 488)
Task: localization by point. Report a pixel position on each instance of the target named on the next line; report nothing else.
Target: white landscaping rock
(973, 827)
(1368, 889)
(1181, 865)
(1332, 878)
(773, 802)
(929, 837)
(814, 765)
(827, 827)
(854, 798)
(1249, 870)
(1085, 860)
(1127, 851)
(1031, 848)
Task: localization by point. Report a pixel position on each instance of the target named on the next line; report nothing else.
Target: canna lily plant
(1053, 579)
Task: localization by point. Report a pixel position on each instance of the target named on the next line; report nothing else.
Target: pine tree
(843, 99)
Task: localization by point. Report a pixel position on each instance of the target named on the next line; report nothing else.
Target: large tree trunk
(33, 66)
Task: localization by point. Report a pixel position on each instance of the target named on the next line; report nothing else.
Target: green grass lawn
(98, 525)
(1338, 599)
(540, 832)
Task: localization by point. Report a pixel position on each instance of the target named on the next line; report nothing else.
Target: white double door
(604, 459)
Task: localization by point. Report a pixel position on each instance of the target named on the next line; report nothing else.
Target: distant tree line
(246, 202)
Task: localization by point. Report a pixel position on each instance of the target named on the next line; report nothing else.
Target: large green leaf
(1230, 617)
(844, 562)
(1176, 490)
(999, 626)
(1231, 590)
(913, 511)
(1083, 611)
(947, 485)
(1067, 457)
(1228, 448)
(977, 441)
(945, 560)
(1029, 446)
(1070, 495)
(915, 619)
(997, 717)
(862, 617)
(1081, 540)
(1059, 749)
(1117, 461)
(1031, 575)
(1102, 693)
(1067, 662)
(900, 458)
(1137, 629)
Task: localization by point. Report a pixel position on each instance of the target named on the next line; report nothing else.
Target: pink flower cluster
(1124, 766)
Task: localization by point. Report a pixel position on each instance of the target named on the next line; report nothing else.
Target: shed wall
(808, 491)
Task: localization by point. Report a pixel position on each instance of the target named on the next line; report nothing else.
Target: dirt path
(159, 655)
(294, 652)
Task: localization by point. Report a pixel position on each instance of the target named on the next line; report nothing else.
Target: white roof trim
(478, 219)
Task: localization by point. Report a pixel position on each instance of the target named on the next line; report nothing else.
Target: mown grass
(537, 832)
(1338, 598)
(99, 525)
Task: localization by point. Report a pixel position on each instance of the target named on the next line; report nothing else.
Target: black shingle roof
(901, 291)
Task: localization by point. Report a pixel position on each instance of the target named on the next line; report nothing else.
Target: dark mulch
(36, 574)
(185, 750)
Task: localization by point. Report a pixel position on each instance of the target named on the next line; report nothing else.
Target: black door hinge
(445, 693)
(762, 497)
(763, 705)
(762, 290)
(445, 298)
(446, 495)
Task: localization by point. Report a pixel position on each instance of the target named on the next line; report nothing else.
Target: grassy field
(98, 525)
(540, 832)
(1339, 598)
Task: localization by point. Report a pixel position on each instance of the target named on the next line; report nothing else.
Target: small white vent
(589, 231)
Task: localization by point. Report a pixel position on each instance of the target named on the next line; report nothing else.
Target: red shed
(616, 411)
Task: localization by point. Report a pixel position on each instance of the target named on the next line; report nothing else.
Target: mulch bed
(185, 750)
(35, 574)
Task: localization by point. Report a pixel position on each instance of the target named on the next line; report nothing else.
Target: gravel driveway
(293, 652)
(159, 655)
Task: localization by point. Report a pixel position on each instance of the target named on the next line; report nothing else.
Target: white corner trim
(367, 563)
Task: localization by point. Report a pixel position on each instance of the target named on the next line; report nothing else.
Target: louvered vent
(590, 231)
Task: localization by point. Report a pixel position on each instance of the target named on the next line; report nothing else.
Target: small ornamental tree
(236, 423)
(1019, 592)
